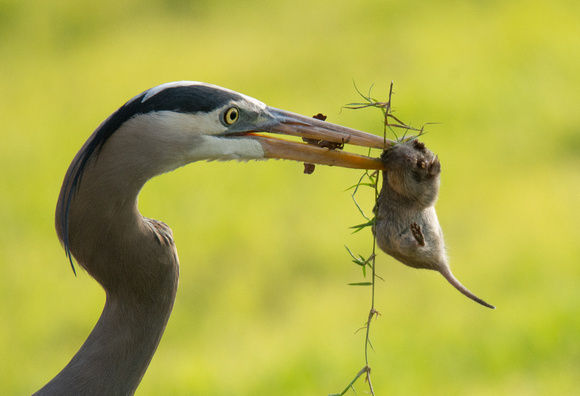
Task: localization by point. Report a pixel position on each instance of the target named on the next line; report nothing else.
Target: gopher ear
(419, 146)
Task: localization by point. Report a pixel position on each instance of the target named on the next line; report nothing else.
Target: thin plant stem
(386, 109)
(365, 369)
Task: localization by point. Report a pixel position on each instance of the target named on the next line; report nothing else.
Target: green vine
(371, 180)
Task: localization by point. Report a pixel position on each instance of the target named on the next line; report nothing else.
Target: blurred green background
(263, 305)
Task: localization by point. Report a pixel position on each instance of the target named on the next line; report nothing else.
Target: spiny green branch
(371, 180)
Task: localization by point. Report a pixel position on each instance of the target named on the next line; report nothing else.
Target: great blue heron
(134, 257)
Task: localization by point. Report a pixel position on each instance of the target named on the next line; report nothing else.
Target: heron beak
(323, 141)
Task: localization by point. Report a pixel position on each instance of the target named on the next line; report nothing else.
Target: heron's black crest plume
(181, 97)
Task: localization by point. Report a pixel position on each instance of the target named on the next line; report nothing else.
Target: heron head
(214, 123)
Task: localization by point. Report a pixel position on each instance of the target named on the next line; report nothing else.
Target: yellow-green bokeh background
(263, 307)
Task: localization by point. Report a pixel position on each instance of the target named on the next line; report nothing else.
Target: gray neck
(135, 261)
(115, 356)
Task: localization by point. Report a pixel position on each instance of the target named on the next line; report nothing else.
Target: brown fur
(406, 225)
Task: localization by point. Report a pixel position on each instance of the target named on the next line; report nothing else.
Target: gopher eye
(231, 115)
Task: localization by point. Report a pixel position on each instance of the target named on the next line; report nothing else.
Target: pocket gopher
(406, 225)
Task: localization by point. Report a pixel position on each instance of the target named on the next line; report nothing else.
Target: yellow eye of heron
(231, 115)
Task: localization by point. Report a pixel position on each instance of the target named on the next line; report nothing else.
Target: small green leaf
(359, 208)
(372, 185)
(349, 252)
(360, 260)
(361, 284)
(359, 227)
